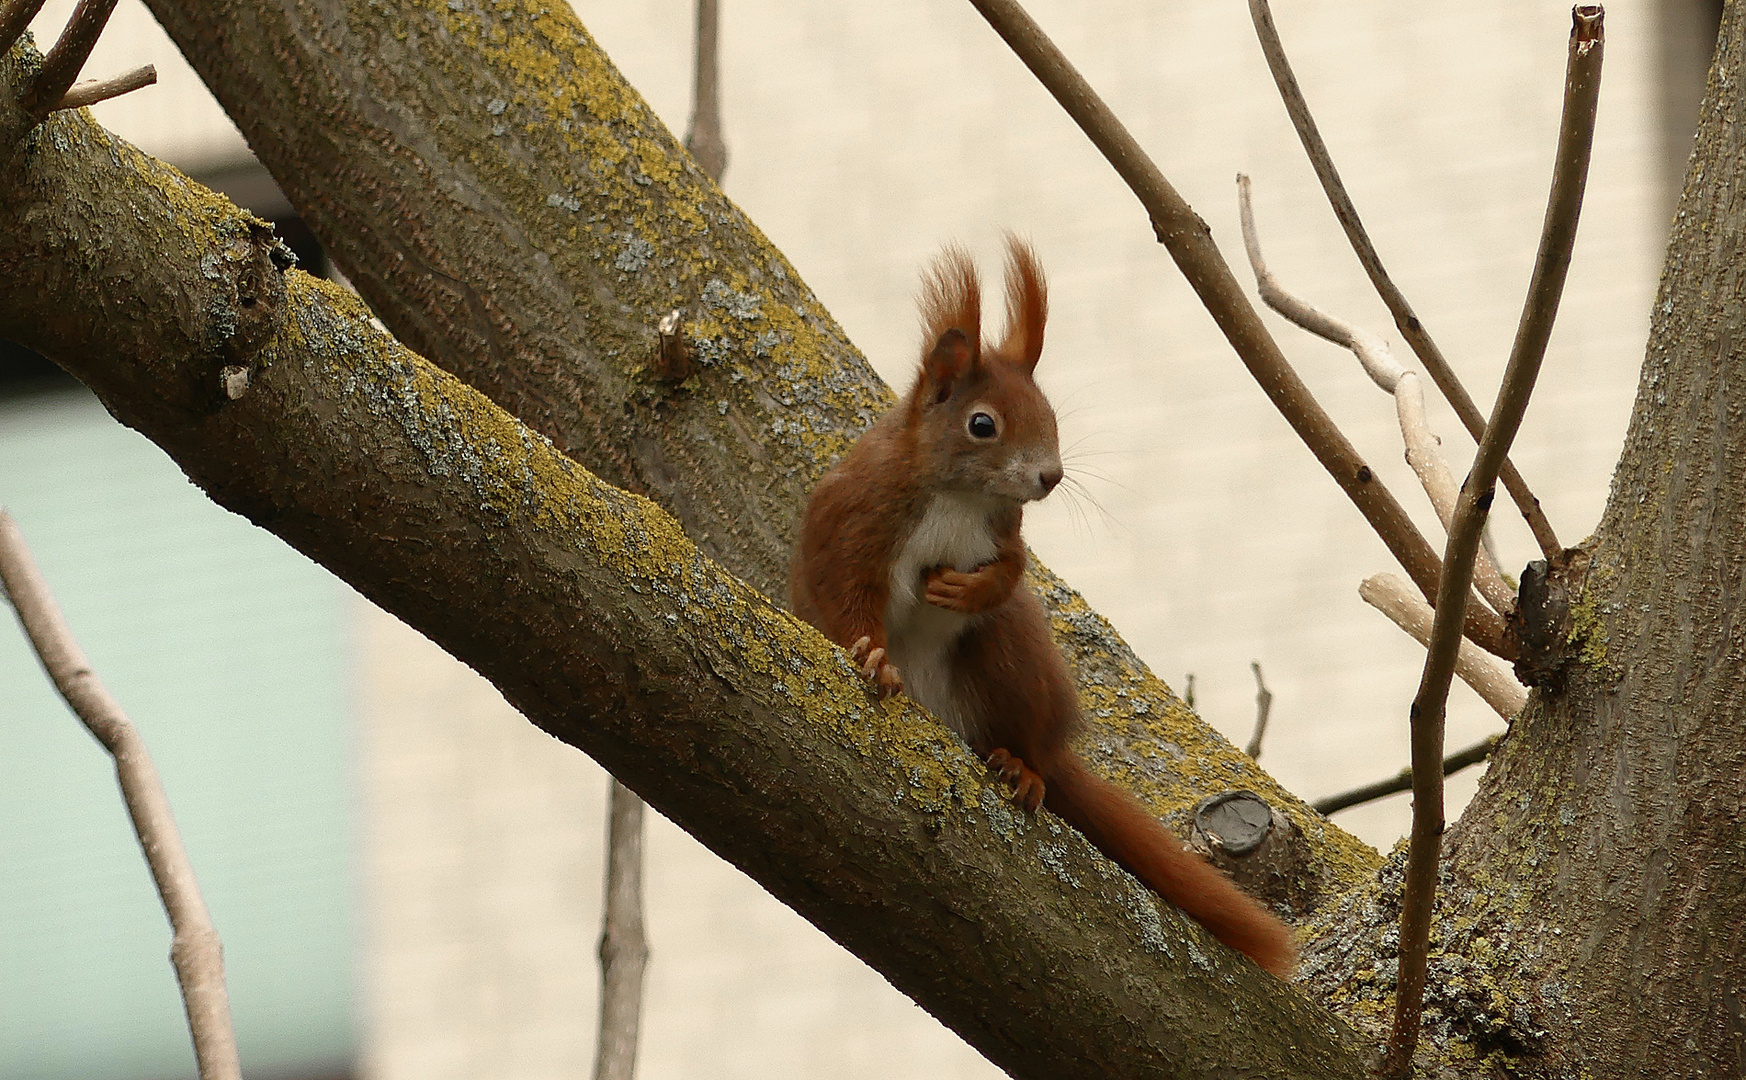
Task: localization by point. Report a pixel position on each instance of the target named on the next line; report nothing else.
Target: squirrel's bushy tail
(1123, 829)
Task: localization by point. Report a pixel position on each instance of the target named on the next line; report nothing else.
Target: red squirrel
(910, 558)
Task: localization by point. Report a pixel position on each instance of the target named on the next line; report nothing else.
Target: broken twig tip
(673, 361)
(90, 93)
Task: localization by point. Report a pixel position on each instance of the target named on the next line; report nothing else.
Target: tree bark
(510, 207)
(594, 615)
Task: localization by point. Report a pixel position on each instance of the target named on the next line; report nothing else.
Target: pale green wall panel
(227, 649)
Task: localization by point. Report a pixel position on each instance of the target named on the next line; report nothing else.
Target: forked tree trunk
(1624, 790)
(1592, 920)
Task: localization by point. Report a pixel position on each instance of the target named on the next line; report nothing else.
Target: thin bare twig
(1263, 706)
(62, 63)
(1190, 244)
(1564, 207)
(90, 93)
(1403, 781)
(1423, 450)
(15, 16)
(704, 140)
(1410, 328)
(1491, 678)
(624, 948)
(195, 950)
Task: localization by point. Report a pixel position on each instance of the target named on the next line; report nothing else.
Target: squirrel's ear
(949, 361)
(1027, 304)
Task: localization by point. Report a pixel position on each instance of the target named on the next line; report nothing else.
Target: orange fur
(921, 493)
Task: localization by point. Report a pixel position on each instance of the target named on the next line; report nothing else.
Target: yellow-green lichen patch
(177, 212)
(1588, 631)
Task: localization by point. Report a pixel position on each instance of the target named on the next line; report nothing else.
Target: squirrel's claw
(1026, 782)
(874, 669)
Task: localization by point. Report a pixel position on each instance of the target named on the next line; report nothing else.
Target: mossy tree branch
(592, 612)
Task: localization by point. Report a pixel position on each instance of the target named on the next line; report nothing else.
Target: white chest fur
(954, 531)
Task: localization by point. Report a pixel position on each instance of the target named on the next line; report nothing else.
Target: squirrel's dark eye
(982, 425)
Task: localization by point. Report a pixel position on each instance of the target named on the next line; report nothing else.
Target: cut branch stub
(1259, 849)
(673, 360)
(1541, 622)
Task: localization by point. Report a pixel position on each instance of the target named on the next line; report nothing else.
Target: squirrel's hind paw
(1026, 782)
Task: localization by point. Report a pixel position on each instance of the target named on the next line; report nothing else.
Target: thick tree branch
(584, 224)
(1190, 244)
(1408, 323)
(195, 950)
(1557, 237)
(597, 619)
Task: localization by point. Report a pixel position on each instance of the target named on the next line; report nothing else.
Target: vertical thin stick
(195, 950)
(704, 140)
(1263, 706)
(1564, 207)
(1410, 328)
(624, 949)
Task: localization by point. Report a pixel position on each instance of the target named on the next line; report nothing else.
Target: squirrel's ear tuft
(1027, 305)
(949, 361)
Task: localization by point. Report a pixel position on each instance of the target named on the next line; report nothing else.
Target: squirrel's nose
(1049, 477)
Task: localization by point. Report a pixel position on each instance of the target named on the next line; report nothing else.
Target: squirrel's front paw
(1026, 782)
(966, 593)
(883, 676)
